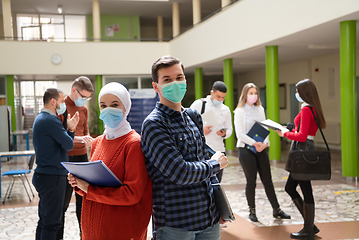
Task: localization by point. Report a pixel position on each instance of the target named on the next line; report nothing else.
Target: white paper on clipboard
(209, 119)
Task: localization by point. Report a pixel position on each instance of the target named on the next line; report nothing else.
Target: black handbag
(311, 164)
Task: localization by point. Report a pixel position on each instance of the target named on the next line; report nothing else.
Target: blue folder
(258, 133)
(95, 173)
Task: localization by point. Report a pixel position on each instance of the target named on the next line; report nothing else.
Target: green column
(272, 99)
(98, 86)
(348, 98)
(229, 101)
(10, 98)
(198, 83)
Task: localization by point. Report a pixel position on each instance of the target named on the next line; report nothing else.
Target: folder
(258, 133)
(95, 173)
(220, 198)
(223, 206)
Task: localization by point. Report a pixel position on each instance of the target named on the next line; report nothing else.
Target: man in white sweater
(213, 105)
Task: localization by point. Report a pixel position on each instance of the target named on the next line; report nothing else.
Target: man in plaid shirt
(180, 168)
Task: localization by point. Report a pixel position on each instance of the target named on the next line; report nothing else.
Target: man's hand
(207, 129)
(72, 122)
(76, 182)
(223, 161)
(83, 139)
(222, 132)
(260, 146)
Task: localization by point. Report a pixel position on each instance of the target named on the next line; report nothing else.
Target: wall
(88, 58)
(129, 27)
(1, 27)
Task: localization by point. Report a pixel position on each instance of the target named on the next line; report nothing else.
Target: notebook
(95, 173)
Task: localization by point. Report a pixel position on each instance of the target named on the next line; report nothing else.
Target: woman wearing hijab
(110, 212)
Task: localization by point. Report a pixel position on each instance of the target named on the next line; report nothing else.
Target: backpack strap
(203, 105)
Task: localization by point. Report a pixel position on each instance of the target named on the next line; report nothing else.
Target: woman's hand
(260, 146)
(280, 133)
(76, 182)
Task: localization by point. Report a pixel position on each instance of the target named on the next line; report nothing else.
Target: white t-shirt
(223, 115)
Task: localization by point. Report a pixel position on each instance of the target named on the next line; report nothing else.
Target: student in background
(111, 213)
(302, 139)
(180, 168)
(248, 111)
(51, 143)
(216, 134)
(81, 91)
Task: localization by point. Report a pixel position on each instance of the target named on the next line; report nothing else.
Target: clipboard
(95, 173)
(273, 125)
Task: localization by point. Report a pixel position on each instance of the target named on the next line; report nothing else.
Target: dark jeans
(305, 186)
(68, 195)
(51, 190)
(251, 164)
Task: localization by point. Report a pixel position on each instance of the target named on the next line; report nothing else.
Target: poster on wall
(116, 27)
(143, 102)
(109, 31)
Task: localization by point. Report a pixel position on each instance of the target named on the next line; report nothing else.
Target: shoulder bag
(311, 164)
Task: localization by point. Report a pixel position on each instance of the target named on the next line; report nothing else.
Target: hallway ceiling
(315, 42)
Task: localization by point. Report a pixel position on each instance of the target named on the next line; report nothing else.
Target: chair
(20, 173)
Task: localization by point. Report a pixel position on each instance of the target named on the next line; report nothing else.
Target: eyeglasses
(84, 97)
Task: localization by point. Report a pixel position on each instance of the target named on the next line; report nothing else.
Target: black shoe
(299, 204)
(304, 233)
(308, 231)
(280, 214)
(252, 214)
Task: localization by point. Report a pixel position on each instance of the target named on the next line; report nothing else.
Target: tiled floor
(337, 206)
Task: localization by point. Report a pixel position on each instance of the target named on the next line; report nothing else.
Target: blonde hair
(243, 98)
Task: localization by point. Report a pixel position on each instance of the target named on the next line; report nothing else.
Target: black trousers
(51, 190)
(67, 199)
(305, 186)
(253, 163)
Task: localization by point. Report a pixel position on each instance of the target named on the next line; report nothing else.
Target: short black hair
(163, 62)
(51, 93)
(220, 86)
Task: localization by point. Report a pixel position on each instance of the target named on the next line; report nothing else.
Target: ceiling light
(323, 46)
(59, 8)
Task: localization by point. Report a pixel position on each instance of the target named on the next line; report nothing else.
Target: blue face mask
(112, 117)
(174, 91)
(298, 97)
(80, 101)
(216, 102)
(62, 109)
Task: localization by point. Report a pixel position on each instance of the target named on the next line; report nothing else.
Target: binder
(95, 173)
(258, 133)
(220, 198)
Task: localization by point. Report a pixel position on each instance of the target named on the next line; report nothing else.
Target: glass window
(128, 82)
(75, 28)
(146, 82)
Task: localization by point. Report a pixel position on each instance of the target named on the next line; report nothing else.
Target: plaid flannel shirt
(180, 169)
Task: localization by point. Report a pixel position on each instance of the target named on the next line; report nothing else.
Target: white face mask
(62, 108)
